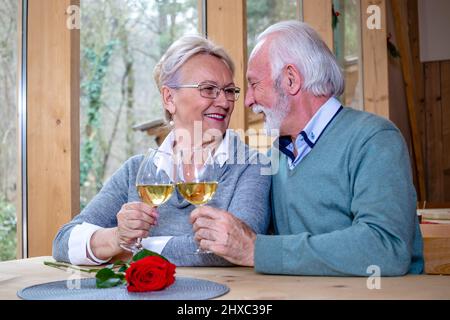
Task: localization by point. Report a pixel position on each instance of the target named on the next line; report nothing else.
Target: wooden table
(244, 283)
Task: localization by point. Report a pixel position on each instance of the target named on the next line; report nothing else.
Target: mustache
(258, 109)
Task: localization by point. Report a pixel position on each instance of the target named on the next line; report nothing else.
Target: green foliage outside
(8, 127)
(8, 224)
(93, 89)
(263, 13)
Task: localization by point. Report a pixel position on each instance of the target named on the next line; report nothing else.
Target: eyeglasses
(212, 91)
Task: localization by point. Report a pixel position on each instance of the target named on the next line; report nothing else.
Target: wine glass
(154, 183)
(196, 176)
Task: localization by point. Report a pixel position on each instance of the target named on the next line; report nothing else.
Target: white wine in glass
(197, 193)
(154, 184)
(154, 194)
(196, 176)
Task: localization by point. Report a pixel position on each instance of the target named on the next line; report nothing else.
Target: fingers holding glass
(134, 221)
(154, 184)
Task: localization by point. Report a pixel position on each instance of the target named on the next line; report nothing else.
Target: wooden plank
(375, 61)
(399, 10)
(434, 148)
(318, 14)
(432, 205)
(436, 248)
(227, 26)
(445, 104)
(53, 122)
(413, 26)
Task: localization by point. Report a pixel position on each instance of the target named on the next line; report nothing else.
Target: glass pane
(263, 13)
(347, 47)
(121, 41)
(8, 128)
(260, 15)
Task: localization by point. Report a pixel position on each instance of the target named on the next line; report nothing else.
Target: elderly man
(343, 200)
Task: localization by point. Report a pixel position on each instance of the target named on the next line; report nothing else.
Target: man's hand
(222, 233)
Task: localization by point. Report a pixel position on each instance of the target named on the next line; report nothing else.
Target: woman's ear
(167, 98)
(294, 80)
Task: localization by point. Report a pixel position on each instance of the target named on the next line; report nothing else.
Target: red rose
(149, 274)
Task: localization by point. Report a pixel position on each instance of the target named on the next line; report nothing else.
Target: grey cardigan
(242, 190)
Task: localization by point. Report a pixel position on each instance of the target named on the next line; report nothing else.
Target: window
(260, 15)
(121, 41)
(347, 48)
(263, 13)
(8, 128)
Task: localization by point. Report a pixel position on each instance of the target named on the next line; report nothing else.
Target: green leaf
(123, 268)
(120, 263)
(146, 253)
(104, 274)
(109, 283)
(106, 278)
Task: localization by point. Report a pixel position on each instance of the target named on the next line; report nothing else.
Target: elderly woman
(195, 78)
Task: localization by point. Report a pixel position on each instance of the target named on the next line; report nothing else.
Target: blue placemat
(182, 289)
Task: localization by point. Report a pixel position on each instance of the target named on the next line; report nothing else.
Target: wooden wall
(436, 121)
(375, 62)
(432, 87)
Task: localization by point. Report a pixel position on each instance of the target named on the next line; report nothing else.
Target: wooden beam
(318, 14)
(53, 122)
(375, 61)
(445, 94)
(436, 248)
(399, 10)
(227, 26)
(413, 26)
(435, 181)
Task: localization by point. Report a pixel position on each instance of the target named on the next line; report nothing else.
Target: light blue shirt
(309, 136)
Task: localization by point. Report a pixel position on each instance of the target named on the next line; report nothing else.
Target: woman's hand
(134, 220)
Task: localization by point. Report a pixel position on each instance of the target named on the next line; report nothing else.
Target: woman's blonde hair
(166, 71)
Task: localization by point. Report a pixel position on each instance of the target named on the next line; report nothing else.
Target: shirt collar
(313, 129)
(319, 121)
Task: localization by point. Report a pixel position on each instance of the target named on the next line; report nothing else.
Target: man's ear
(167, 98)
(294, 80)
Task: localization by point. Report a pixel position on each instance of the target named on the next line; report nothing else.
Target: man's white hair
(295, 42)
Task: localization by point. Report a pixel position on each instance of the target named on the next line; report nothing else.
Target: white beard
(274, 115)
